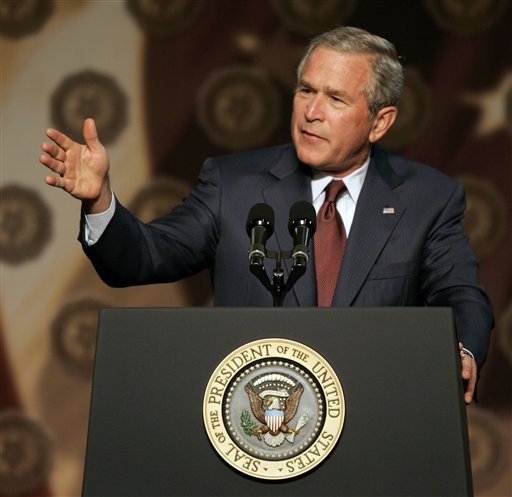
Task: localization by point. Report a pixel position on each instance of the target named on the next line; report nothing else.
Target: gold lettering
(313, 454)
(322, 375)
(315, 450)
(221, 381)
(248, 462)
(214, 418)
(327, 436)
(237, 454)
(302, 356)
(215, 396)
(333, 394)
(245, 357)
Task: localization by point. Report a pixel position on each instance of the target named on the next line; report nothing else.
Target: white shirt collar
(354, 181)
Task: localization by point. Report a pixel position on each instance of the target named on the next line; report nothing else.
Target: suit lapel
(292, 184)
(377, 212)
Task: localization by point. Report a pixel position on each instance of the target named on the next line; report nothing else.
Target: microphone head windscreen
(262, 215)
(302, 213)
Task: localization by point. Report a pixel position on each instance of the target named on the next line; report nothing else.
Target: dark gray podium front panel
(405, 431)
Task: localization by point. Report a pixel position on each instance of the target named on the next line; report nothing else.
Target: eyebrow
(328, 90)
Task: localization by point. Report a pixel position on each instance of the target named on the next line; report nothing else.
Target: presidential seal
(274, 409)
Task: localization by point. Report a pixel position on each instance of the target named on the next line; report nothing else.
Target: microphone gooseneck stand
(301, 226)
(277, 287)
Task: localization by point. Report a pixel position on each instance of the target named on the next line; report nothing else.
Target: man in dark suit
(403, 242)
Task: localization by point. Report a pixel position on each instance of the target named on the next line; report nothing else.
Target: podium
(405, 427)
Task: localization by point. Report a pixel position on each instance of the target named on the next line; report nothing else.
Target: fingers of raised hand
(54, 151)
(60, 139)
(53, 158)
(55, 181)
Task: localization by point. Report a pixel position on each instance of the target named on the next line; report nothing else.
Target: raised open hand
(82, 169)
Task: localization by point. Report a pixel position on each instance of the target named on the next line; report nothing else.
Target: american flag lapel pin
(388, 210)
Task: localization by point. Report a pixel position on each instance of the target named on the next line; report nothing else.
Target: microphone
(260, 226)
(302, 226)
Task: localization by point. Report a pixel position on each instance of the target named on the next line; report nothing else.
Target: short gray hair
(387, 77)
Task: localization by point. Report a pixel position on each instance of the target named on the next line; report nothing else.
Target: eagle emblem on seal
(274, 400)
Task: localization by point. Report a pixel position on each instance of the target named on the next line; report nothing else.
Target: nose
(314, 108)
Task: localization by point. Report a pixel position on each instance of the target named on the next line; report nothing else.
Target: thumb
(91, 134)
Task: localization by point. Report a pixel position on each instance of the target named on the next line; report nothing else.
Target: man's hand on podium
(469, 373)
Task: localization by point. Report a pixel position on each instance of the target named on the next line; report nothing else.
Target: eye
(303, 90)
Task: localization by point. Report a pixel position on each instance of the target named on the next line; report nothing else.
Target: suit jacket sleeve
(167, 249)
(449, 277)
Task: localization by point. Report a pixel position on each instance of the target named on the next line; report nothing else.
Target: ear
(382, 122)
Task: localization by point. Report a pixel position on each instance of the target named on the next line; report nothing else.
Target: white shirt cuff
(468, 352)
(95, 224)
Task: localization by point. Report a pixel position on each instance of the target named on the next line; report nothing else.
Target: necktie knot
(333, 189)
(328, 208)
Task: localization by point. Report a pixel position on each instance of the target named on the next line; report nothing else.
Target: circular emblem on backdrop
(466, 16)
(158, 198)
(164, 18)
(505, 333)
(488, 446)
(74, 335)
(485, 216)
(25, 224)
(414, 113)
(89, 94)
(25, 454)
(311, 17)
(22, 17)
(238, 108)
(274, 409)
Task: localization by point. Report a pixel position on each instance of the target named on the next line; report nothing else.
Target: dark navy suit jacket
(406, 245)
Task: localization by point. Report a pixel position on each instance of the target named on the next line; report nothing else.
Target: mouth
(310, 135)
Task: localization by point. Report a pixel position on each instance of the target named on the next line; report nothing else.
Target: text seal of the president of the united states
(274, 409)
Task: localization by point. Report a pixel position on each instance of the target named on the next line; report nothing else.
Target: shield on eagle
(274, 399)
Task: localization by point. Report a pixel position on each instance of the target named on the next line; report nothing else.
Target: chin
(308, 157)
(313, 163)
